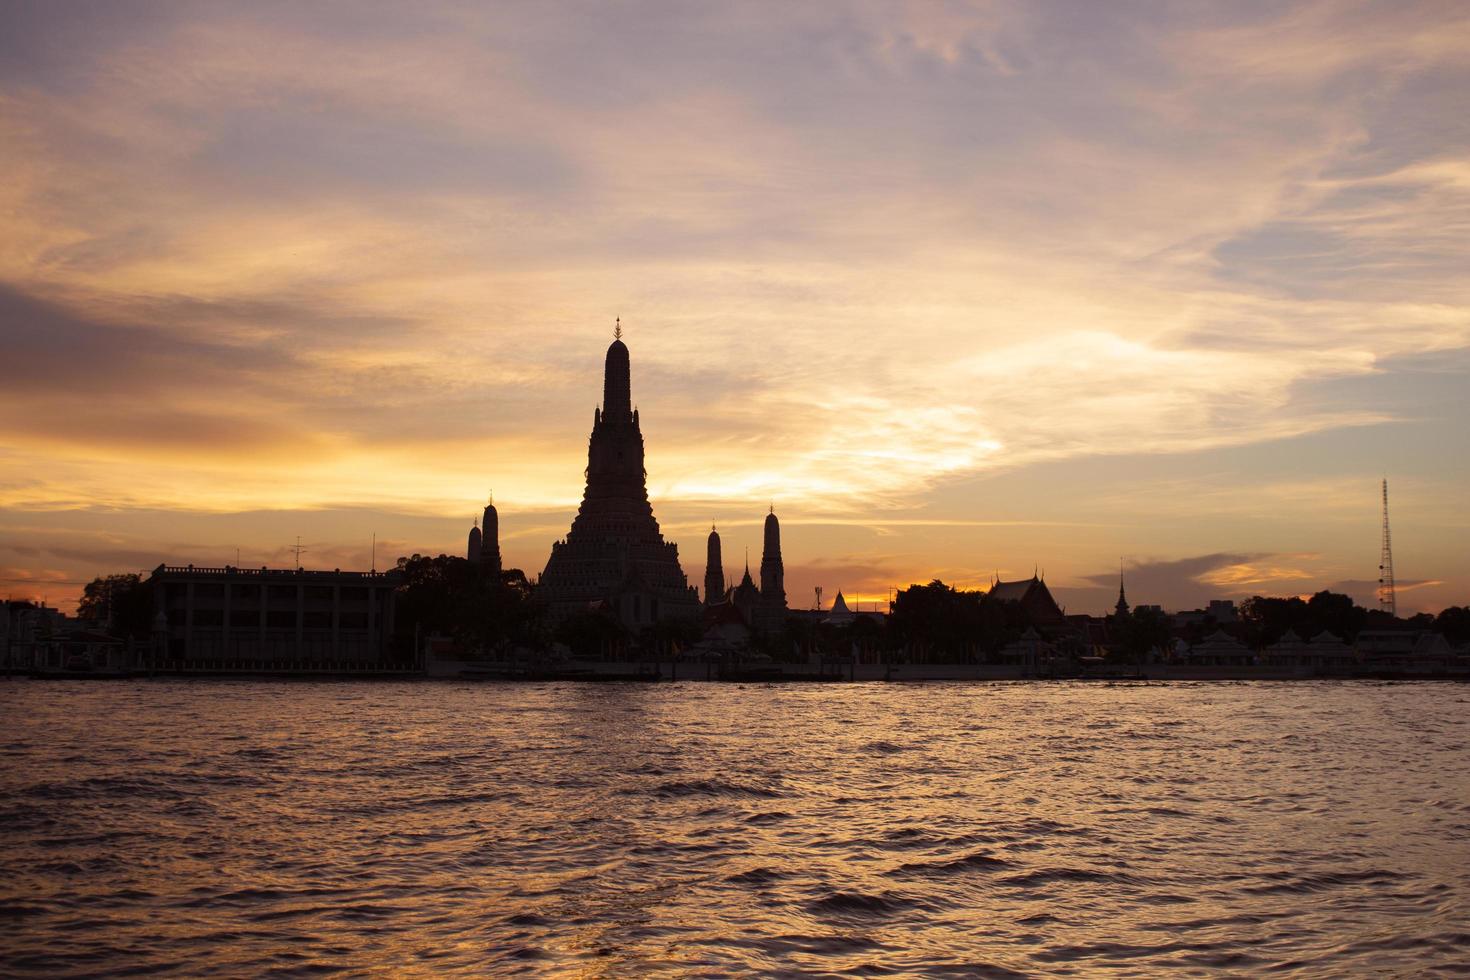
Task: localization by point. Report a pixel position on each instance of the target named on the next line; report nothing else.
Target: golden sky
(965, 289)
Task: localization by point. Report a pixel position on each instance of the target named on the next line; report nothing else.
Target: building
(762, 607)
(771, 613)
(614, 552)
(1222, 612)
(1033, 598)
(1220, 649)
(23, 628)
(714, 570)
(839, 614)
(1330, 654)
(260, 616)
(1290, 651)
(84, 650)
(1404, 651)
(483, 548)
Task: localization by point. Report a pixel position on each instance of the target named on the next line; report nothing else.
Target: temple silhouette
(762, 608)
(614, 557)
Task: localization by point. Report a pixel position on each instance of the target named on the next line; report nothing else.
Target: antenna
(819, 598)
(1387, 601)
(298, 549)
(374, 566)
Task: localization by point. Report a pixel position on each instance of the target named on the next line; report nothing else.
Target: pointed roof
(1012, 591)
(1221, 640)
(771, 541)
(617, 395)
(839, 605)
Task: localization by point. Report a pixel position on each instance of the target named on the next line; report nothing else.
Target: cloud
(1182, 583)
(265, 257)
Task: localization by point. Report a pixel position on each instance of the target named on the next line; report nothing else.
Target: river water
(249, 828)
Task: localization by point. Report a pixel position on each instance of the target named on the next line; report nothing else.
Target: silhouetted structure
(1387, 599)
(271, 615)
(762, 608)
(472, 550)
(614, 552)
(771, 614)
(490, 539)
(1033, 597)
(840, 614)
(714, 570)
(745, 597)
(483, 548)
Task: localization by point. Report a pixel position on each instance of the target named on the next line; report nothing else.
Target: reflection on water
(237, 828)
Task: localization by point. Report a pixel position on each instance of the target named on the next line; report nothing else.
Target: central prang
(614, 557)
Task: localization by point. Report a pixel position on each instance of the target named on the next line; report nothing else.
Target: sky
(965, 290)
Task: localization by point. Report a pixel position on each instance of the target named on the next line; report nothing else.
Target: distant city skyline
(964, 292)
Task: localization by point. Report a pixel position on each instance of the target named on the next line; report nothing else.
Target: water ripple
(994, 830)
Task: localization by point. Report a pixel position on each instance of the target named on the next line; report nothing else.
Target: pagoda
(614, 557)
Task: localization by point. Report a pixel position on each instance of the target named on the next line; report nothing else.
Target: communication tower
(1386, 599)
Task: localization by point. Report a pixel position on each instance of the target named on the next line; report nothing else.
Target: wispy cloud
(265, 257)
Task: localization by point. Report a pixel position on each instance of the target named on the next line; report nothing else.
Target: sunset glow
(963, 290)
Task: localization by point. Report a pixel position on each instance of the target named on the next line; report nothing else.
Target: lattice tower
(1386, 599)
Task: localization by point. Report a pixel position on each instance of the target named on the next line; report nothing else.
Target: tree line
(498, 613)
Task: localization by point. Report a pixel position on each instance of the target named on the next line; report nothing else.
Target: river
(243, 828)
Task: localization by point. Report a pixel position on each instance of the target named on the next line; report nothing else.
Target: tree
(1266, 619)
(1141, 632)
(1334, 612)
(1454, 623)
(592, 635)
(124, 602)
(481, 609)
(937, 622)
(664, 637)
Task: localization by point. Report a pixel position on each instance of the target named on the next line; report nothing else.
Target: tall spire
(472, 548)
(773, 577)
(714, 570)
(490, 537)
(615, 552)
(1122, 607)
(617, 396)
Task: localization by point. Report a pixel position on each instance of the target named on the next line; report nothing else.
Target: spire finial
(489, 496)
(618, 329)
(773, 507)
